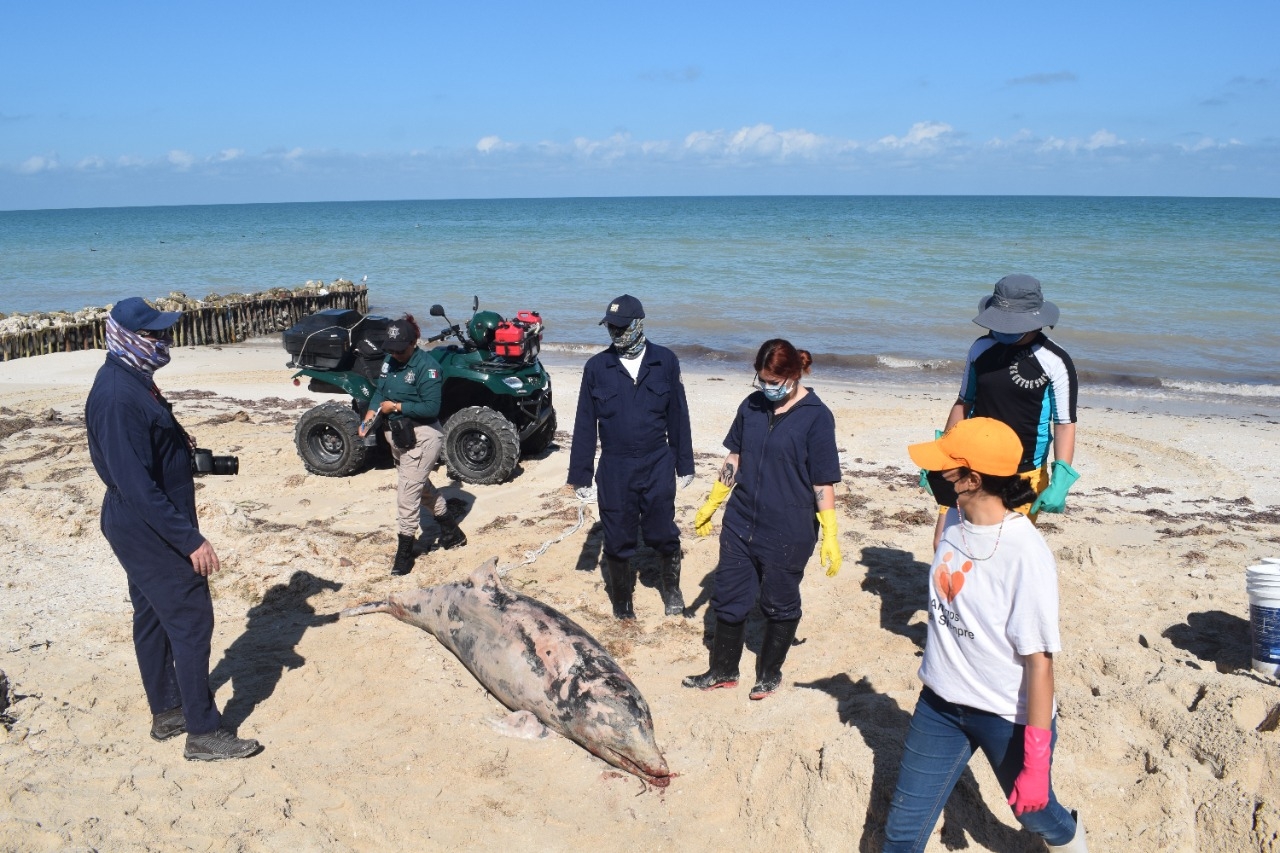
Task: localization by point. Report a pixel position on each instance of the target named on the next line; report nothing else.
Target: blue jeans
(939, 745)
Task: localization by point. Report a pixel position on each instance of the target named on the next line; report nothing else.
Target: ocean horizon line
(507, 198)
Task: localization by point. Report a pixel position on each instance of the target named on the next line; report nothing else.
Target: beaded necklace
(965, 541)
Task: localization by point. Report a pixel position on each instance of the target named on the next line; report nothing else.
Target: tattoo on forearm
(817, 495)
(728, 474)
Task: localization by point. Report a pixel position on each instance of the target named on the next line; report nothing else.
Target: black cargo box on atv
(323, 340)
(369, 337)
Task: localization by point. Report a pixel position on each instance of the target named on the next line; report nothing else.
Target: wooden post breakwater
(214, 320)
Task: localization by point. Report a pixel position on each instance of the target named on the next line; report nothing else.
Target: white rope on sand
(530, 556)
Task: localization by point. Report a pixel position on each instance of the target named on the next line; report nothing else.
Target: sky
(142, 103)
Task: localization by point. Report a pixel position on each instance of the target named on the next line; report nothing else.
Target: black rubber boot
(778, 637)
(672, 598)
(726, 654)
(451, 535)
(619, 583)
(404, 556)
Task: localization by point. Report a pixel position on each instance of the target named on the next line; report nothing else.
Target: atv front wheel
(329, 442)
(480, 446)
(541, 438)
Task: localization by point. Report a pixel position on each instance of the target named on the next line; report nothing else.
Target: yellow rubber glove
(830, 554)
(702, 521)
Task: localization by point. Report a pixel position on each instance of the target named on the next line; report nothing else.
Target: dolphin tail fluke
(383, 606)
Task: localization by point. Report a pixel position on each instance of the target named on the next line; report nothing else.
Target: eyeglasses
(762, 383)
(152, 335)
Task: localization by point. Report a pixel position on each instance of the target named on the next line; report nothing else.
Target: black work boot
(778, 637)
(451, 535)
(726, 654)
(619, 583)
(672, 598)
(404, 556)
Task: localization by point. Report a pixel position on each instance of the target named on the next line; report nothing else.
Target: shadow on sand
(255, 662)
(883, 726)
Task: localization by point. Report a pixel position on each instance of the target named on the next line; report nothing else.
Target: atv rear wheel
(480, 446)
(328, 440)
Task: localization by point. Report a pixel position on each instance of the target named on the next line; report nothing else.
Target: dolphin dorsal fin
(487, 575)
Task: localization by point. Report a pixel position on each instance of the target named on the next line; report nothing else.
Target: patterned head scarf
(629, 342)
(143, 354)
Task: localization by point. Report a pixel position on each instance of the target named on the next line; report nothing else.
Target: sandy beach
(377, 738)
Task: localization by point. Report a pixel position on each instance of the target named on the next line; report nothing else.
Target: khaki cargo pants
(414, 489)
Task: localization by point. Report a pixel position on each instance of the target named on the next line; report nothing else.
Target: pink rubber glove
(1031, 788)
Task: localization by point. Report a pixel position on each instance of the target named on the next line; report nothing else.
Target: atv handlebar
(454, 331)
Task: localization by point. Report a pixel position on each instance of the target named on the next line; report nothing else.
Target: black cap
(400, 336)
(622, 311)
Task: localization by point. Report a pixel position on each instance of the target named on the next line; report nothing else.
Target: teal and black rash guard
(1031, 387)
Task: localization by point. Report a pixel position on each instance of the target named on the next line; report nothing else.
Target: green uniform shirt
(415, 385)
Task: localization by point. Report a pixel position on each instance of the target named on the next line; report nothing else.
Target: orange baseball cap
(985, 445)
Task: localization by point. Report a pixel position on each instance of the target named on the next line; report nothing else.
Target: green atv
(496, 402)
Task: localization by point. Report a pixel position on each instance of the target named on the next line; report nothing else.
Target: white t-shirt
(632, 364)
(985, 614)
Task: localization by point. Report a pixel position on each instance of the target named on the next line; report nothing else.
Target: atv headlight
(513, 382)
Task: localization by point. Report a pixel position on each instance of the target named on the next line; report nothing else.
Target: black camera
(204, 462)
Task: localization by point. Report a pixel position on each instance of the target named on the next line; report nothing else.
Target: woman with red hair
(781, 469)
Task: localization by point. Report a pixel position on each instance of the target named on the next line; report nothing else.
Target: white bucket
(1263, 585)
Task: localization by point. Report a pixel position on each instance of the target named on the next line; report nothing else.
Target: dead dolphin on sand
(535, 659)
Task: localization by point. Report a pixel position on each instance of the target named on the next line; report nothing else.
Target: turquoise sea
(1159, 296)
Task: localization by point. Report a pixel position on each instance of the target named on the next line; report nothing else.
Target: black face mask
(944, 491)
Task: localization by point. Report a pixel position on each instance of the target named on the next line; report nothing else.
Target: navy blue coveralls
(645, 442)
(149, 519)
(770, 520)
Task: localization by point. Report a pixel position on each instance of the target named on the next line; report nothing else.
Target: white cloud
(1097, 141)
(35, 165)
(761, 141)
(1208, 143)
(490, 144)
(923, 135)
(1103, 139)
(931, 155)
(609, 149)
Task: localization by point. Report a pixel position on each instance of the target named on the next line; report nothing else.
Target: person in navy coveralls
(143, 456)
(632, 398)
(779, 479)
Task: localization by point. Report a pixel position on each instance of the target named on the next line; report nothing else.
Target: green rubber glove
(702, 521)
(1054, 497)
(924, 475)
(829, 556)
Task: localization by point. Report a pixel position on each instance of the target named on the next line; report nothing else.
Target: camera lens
(226, 465)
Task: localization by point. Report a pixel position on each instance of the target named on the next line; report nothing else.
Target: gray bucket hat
(1016, 305)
